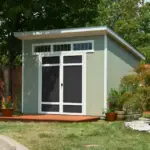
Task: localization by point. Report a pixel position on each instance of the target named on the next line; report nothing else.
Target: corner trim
(105, 71)
(22, 107)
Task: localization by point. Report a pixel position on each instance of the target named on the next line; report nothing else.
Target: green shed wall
(95, 67)
(120, 62)
(30, 77)
(95, 83)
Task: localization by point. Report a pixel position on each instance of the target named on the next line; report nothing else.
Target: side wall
(94, 75)
(120, 62)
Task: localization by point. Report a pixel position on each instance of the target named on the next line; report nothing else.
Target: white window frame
(61, 43)
(83, 64)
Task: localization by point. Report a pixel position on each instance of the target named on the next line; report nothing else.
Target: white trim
(105, 72)
(75, 104)
(57, 113)
(73, 64)
(40, 84)
(52, 65)
(72, 32)
(61, 76)
(61, 103)
(59, 43)
(22, 106)
(22, 35)
(49, 103)
(84, 84)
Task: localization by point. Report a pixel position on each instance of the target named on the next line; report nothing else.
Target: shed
(71, 71)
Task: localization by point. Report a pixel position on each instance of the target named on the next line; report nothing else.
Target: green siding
(95, 83)
(30, 104)
(120, 62)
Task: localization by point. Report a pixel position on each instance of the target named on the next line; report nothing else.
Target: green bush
(134, 92)
(138, 89)
(118, 97)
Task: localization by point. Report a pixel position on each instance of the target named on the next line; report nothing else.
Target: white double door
(62, 84)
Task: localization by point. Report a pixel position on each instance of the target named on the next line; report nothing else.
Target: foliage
(119, 97)
(130, 82)
(111, 101)
(130, 19)
(7, 103)
(138, 85)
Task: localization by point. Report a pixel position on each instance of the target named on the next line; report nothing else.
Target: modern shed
(71, 71)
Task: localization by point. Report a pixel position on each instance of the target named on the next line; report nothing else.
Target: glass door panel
(72, 84)
(50, 84)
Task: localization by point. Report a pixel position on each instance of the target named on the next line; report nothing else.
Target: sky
(147, 0)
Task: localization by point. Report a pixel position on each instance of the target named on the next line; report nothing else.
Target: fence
(16, 80)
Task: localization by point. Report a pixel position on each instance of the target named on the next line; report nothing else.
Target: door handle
(62, 84)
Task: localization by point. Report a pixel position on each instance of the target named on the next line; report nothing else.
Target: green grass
(99, 135)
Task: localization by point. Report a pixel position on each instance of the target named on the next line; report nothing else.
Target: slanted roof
(75, 32)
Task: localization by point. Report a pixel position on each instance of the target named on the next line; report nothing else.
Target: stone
(138, 125)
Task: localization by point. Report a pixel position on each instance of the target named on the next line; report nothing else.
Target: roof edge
(121, 40)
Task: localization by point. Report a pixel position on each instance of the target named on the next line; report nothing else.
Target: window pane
(44, 48)
(72, 59)
(50, 84)
(72, 109)
(72, 92)
(62, 47)
(50, 108)
(82, 46)
(50, 60)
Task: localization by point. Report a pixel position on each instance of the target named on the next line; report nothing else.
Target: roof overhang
(76, 32)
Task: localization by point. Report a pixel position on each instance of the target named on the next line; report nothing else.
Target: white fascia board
(59, 31)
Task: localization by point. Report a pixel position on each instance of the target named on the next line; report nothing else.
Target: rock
(138, 125)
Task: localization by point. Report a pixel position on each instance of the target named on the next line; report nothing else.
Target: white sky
(147, 0)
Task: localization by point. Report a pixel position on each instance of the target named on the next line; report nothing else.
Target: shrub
(138, 85)
(118, 97)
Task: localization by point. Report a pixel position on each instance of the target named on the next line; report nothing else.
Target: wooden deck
(50, 118)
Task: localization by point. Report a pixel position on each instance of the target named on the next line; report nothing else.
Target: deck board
(50, 118)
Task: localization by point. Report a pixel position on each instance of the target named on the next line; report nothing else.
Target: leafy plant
(119, 97)
(111, 104)
(7, 103)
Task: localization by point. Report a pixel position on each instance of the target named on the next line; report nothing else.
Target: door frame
(61, 55)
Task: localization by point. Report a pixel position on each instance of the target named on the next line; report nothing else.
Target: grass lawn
(76, 136)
